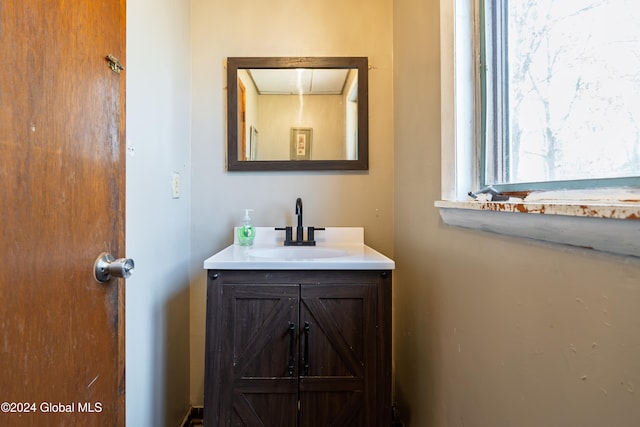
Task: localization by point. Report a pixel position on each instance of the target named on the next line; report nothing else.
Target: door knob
(107, 266)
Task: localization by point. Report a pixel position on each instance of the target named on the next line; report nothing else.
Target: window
(560, 93)
(589, 71)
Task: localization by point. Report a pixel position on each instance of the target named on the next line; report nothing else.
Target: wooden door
(338, 347)
(62, 204)
(258, 347)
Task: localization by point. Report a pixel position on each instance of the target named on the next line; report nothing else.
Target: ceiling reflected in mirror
(299, 81)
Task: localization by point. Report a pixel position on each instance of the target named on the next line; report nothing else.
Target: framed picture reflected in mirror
(300, 145)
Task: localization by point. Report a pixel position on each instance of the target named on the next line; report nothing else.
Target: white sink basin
(297, 252)
(337, 248)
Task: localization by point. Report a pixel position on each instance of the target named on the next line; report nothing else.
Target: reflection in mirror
(297, 113)
(295, 108)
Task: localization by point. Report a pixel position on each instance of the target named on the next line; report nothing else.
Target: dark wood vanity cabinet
(298, 348)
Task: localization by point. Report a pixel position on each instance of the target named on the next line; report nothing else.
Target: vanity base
(298, 348)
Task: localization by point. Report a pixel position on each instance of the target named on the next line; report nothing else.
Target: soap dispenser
(246, 232)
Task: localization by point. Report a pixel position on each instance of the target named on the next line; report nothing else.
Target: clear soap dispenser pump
(246, 232)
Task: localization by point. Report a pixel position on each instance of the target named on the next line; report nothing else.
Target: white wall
(325, 115)
(490, 330)
(283, 28)
(158, 73)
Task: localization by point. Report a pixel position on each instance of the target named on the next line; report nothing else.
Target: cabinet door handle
(307, 328)
(292, 330)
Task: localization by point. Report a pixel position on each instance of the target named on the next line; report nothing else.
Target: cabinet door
(338, 354)
(259, 385)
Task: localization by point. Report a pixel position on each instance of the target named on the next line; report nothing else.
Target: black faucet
(299, 240)
(299, 228)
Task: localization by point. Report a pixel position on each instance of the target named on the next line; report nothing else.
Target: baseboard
(193, 417)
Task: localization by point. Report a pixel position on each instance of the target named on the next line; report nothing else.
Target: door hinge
(114, 64)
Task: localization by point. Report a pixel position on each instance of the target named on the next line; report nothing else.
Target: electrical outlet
(175, 185)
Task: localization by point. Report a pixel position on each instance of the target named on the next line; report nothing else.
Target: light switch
(175, 185)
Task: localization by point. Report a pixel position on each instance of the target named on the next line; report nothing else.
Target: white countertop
(337, 248)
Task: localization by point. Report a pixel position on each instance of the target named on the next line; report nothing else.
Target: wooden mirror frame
(359, 63)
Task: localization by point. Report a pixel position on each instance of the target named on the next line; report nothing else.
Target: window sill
(604, 225)
(605, 220)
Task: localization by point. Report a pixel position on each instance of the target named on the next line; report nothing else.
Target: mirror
(291, 113)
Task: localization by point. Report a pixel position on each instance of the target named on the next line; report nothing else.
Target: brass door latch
(114, 64)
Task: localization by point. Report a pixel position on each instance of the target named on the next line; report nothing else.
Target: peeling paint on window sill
(629, 211)
(609, 224)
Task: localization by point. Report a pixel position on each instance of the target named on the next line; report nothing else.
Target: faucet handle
(311, 233)
(287, 233)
